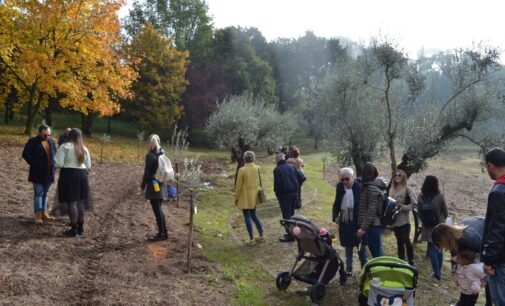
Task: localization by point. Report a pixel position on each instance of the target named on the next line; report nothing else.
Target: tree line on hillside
(165, 64)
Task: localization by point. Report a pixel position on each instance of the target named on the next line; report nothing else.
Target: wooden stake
(177, 184)
(190, 240)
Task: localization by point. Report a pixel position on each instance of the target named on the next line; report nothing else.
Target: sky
(413, 24)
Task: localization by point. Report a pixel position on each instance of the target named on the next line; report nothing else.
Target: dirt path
(112, 263)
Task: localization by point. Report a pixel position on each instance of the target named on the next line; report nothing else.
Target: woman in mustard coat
(246, 195)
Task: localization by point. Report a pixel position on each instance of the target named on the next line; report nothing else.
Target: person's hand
(488, 270)
(360, 233)
(337, 220)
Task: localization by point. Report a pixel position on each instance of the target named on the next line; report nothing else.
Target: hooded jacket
(371, 197)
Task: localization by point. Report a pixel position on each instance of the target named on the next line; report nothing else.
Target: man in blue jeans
(39, 153)
(493, 249)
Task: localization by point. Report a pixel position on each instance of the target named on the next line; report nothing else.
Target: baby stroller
(320, 260)
(387, 281)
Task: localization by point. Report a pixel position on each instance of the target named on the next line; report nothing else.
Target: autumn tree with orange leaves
(64, 49)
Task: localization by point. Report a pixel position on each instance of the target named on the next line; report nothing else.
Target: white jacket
(66, 158)
(469, 277)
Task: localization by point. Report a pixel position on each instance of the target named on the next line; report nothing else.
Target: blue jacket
(35, 155)
(287, 179)
(493, 240)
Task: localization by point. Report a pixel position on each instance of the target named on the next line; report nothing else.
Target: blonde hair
(154, 143)
(446, 236)
(399, 188)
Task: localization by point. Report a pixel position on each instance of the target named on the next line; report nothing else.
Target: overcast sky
(432, 24)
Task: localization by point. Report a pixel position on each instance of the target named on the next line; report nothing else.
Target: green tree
(250, 121)
(161, 81)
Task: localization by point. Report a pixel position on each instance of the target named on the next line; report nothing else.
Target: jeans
(497, 285)
(374, 240)
(436, 259)
(160, 217)
(40, 192)
(349, 254)
(403, 242)
(248, 215)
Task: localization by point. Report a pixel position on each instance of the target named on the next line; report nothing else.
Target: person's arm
(238, 184)
(336, 204)
(372, 196)
(495, 239)
(413, 201)
(277, 182)
(59, 157)
(147, 171)
(27, 152)
(87, 159)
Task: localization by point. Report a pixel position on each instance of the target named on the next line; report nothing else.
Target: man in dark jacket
(39, 153)
(493, 240)
(287, 181)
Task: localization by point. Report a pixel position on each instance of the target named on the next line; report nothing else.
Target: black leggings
(467, 300)
(403, 242)
(160, 217)
(76, 212)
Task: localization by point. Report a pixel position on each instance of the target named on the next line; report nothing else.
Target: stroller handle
(392, 265)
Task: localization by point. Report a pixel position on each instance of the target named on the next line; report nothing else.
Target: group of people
(288, 179)
(477, 244)
(74, 161)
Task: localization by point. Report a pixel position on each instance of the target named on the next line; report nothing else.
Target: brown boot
(38, 218)
(46, 216)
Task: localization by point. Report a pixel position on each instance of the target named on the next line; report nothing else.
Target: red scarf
(500, 180)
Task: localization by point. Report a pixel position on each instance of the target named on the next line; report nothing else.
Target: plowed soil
(112, 263)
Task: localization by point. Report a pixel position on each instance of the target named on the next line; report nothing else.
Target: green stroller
(387, 281)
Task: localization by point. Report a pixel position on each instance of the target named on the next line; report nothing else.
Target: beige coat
(404, 210)
(246, 188)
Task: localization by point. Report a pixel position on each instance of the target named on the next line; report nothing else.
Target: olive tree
(251, 121)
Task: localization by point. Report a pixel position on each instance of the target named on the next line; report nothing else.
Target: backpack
(429, 216)
(388, 212)
(165, 172)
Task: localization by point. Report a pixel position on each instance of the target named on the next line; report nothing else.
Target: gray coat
(371, 197)
(148, 177)
(440, 207)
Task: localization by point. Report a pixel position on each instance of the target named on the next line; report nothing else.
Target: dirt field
(112, 263)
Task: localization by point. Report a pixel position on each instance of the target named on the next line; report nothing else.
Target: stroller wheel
(317, 292)
(283, 280)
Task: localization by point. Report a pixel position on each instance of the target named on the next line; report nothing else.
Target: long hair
(430, 187)
(75, 137)
(400, 187)
(446, 236)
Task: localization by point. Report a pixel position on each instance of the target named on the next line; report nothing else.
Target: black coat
(148, 177)
(493, 252)
(347, 231)
(472, 234)
(35, 155)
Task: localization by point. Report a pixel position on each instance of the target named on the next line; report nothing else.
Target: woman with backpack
(155, 191)
(372, 195)
(432, 211)
(406, 200)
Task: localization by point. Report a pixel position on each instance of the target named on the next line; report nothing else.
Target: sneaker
(348, 273)
(250, 242)
(286, 238)
(433, 276)
(260, 239)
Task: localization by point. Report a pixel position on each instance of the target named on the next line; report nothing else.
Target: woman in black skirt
(73, 187)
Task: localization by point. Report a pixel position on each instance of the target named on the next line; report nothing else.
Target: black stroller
(321, 262)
